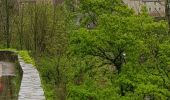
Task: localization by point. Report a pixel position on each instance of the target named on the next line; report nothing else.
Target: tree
(131, 44)
(167, 11)
(7, 8)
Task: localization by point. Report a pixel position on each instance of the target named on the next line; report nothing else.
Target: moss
(8, 49)
(25, 56)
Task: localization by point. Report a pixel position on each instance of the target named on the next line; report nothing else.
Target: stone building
(54, 2)
(26, 1)
(155, 8)
(57, 1)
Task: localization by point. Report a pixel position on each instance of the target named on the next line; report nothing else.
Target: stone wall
(31, 88)
(11, 68)
(8, 56)
(154, 8)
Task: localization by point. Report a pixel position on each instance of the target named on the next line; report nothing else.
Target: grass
(25, 56)
(16, 81)
(8, 49)
(46, 68)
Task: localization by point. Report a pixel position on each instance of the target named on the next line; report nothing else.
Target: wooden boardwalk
(31, 84)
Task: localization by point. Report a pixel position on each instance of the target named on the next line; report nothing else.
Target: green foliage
(122, 57)
(131, 44)
(7, 49)
(77, 93)
(52, 72)
(46, 68)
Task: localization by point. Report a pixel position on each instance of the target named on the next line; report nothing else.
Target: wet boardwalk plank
(31, 84)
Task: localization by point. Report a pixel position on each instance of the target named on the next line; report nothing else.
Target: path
(31, 84)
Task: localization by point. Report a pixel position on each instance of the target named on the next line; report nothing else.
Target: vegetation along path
(31, 84)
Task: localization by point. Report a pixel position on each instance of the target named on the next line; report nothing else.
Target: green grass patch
(26, 57)
(46, 68)
(8, 49)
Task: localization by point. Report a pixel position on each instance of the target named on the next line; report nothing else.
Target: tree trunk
(7, 24)
(167, 11)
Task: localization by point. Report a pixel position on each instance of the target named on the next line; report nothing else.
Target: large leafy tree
(132, 45)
